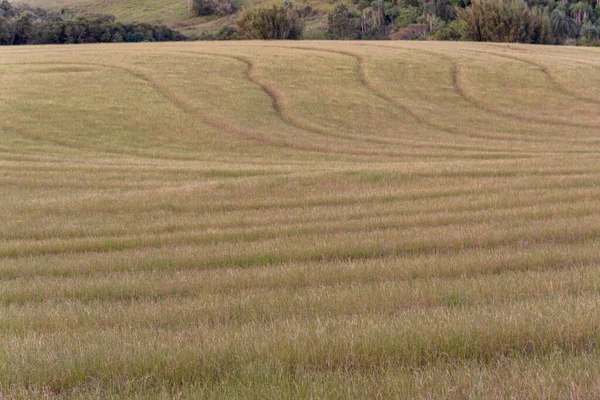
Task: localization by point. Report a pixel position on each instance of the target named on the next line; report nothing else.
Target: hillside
(569, 22)
(299, 220)
(173, 13)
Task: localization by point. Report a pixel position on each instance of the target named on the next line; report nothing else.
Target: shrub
(411, 32)
(226, 32)
(204, 7)
(211, 7)
(318, 33)
(277, 22)
(453, 30)
(589, 32)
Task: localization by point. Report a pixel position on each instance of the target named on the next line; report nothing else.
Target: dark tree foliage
(563, 26)
(24, 25)
(6, 9)
(342, 24)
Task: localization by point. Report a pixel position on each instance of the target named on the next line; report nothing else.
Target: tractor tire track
(364, 79)
(456, 74)
(188, 108)
(284, 115)
(559, 88)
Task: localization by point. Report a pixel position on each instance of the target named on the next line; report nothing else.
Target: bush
(6, 9)
(277, 22)
(315, 34)
(211, 7)
(411, 32)
(226, 32)
(589, 32)
(453, 30)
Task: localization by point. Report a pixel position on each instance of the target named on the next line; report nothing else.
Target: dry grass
(313, 220)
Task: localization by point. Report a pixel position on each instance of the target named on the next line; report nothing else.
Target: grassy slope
(171, 12)
(275, 220)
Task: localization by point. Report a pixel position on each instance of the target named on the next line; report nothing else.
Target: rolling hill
(299, 220)
(173, 13)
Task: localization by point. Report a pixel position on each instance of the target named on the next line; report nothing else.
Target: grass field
(309, 219)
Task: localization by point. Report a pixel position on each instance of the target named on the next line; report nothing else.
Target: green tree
(24, 30)
(341, 23)
(581, 12)
(49, 33)
(406, 16)
(5, 35)
(506, 21)
(563, 26)
(442, 9)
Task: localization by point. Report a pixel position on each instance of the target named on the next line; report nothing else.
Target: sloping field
(309, 219)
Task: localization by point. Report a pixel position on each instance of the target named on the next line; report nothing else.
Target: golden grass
(313, 220)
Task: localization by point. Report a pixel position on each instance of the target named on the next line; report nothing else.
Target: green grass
(129, 11)
(299, 220)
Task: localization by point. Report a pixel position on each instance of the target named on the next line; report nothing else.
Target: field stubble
(251, 220)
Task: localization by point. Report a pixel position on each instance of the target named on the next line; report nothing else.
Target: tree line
(20, 25)
(519, 21)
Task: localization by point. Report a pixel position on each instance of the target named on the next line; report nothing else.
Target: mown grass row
(307, 220)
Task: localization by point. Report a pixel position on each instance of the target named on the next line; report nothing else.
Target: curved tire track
(188, 108)
(364, 78)
(477, 104)
(284, 114)
(561, 88)
(505, 113)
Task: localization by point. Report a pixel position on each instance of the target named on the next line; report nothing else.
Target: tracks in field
(280, 110)
(560, 87)
(457, 78)
(287, 117)
(163, 271)
(188, 108)
(456, 73)
(343, 143)
(366, 82)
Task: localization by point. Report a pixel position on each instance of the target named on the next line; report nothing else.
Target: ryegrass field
(300, 220)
